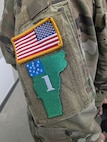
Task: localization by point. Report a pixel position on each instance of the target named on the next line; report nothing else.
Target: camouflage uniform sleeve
(7, 27)
(101, 31)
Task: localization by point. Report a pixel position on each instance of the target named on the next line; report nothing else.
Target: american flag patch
(42, 38)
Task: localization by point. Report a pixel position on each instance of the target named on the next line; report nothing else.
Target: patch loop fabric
(42, 38)
(45, 73)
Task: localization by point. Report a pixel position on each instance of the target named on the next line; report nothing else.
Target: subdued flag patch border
(26, 44)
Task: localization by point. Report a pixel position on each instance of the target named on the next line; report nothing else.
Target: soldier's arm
(7, 27)
(101, 73)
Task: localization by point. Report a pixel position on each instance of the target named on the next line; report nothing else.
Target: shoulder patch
(45, 73)
(42, 38)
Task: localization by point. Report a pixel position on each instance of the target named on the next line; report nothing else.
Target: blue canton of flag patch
(45, 30)
(35, 68)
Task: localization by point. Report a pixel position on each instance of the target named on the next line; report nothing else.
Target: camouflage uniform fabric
(83, 26)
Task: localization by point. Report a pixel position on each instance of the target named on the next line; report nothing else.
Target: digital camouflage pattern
(88, 21)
